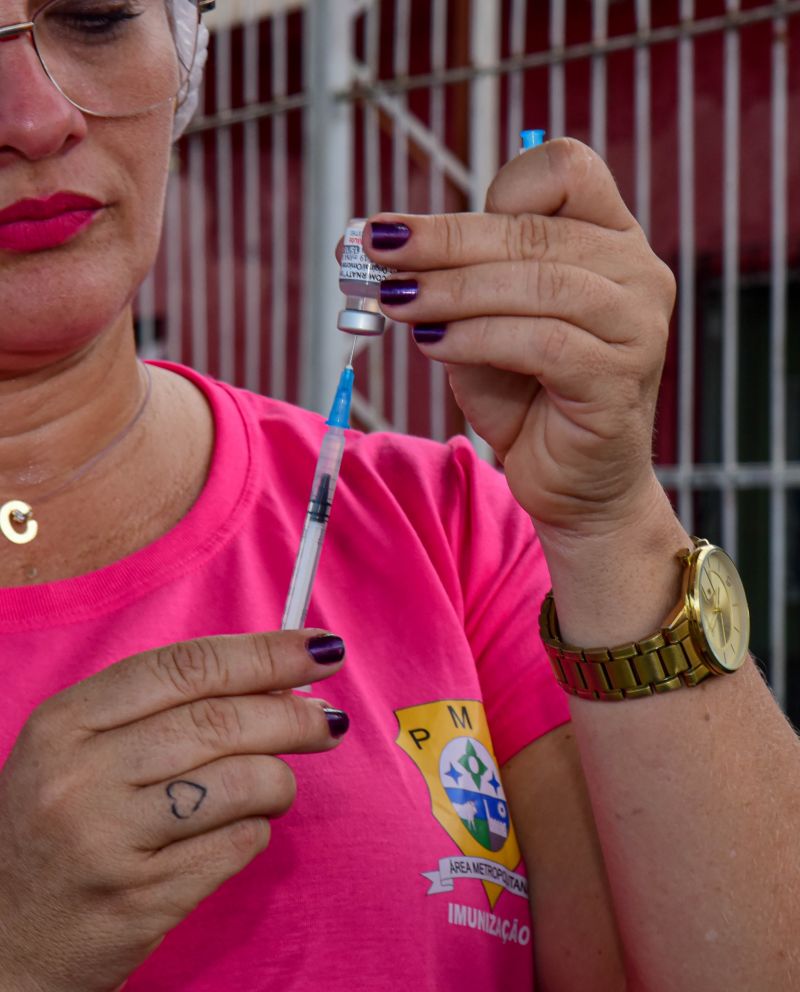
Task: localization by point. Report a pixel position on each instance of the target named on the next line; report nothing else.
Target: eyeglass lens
(117, 57)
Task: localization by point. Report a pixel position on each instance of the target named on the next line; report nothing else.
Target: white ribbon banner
(452, 869)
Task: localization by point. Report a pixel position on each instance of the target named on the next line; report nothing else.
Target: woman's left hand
(555, 314)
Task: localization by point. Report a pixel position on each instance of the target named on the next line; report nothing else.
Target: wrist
(618, 584)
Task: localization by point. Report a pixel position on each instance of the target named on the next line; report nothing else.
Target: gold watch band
(661, 663)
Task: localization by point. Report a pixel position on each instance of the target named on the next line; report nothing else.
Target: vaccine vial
(359, 280)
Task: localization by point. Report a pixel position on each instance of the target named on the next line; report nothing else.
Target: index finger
(228, 665)
(563, 178)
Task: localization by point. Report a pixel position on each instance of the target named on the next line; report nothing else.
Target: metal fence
(314, 112)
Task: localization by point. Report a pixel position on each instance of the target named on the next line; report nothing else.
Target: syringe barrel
(319, 508)
(326, 473)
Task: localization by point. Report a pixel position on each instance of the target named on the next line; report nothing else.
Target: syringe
(319, 506)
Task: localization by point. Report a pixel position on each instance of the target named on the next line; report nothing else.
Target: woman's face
(56, 298)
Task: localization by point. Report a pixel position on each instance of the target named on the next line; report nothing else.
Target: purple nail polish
(325, 650)
(338, 721)
(396, 292)
(387, 237)
(429, 333)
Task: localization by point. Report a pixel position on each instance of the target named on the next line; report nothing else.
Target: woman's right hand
(131, 796)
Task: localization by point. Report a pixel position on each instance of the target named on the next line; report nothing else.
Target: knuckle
(216, 722)
(529, 237)
(237, 781)
(54, 797)
(297, 720)
(546, 281)
(458, 283)
(248, 837)
(451, 235)
(555, 344)
(36, 731)
(668, 283)
(189, 667)
(284, 787)
(266, 659)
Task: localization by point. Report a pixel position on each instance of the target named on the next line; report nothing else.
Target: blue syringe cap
(340, 410)
(533, 138)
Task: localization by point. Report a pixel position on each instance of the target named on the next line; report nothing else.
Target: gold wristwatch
(708, 633)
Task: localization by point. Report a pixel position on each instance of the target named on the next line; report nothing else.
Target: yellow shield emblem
(449, 742)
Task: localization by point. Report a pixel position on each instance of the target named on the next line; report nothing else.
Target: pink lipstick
(36, 225)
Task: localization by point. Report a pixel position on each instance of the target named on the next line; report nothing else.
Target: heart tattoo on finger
(187, 798)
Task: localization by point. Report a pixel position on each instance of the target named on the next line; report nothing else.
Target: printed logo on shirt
(449, 743)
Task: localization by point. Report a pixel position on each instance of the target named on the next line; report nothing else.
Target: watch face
(722, 609)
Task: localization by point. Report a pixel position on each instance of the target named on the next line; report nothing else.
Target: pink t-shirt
(397, 866)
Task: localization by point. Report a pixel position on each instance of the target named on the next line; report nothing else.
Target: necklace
(18, 512)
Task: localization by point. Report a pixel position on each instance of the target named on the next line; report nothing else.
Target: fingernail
(387, 237)
(395, 292)
(338, 721)
(326, 649)
(429, 333)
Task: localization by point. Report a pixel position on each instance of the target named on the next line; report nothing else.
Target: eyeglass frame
(9, 31)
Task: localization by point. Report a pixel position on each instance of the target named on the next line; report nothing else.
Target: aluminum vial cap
(364, 322)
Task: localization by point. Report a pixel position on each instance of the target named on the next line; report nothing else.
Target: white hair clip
(191, 41)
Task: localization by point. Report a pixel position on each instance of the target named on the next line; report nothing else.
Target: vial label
(356, 266)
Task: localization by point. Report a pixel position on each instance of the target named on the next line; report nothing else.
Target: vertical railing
(192, 297)
(599, 77)
(279, 268)
(253, 183)
(400, 66)
(686, 270)
(558, 89)
(777, 530)
(223, 181)
(642, 116)
(484, 150)
(328, 161)
(730, 282)
(436, 199)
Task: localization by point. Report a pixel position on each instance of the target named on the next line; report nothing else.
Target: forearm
(695, 792)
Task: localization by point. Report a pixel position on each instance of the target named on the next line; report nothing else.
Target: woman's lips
(36, 225)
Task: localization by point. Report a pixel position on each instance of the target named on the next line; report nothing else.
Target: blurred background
(314, 112)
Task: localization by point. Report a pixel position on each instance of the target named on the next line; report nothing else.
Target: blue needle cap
(532, 139)
(340, 411)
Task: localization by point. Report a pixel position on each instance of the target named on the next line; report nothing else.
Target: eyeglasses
(115, 58)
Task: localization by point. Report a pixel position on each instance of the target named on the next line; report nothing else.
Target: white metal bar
(686, 280)
(252, 212)
(747, 476)
(226, 312)
(279, 214)
(642, 114)
(173, 236)
(599, 127)
(484, 152)
(558, 93)
(515, 116)
(778, 515)
(372, 168)
(198, 274)
(730, 281)
(410, 125)
(583, 50)
(438, 42)
(147, 317)
(400, 343)
(328, 156)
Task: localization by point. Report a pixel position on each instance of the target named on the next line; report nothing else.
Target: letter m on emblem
(460, 721)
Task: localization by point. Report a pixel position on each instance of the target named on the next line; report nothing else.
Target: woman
(149, 522)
